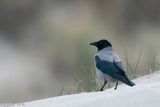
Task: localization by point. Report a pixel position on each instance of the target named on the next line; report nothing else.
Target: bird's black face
(101, 44)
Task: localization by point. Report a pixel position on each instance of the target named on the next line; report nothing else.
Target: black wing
(112, 69)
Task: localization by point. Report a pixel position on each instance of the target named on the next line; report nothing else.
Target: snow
(146, 93)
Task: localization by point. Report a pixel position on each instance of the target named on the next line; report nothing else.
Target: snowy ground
(146, 93)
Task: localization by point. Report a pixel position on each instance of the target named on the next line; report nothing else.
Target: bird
(109, 67)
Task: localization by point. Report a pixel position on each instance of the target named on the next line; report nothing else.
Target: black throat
(101, 48)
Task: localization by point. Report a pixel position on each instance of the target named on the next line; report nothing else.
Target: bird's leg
(116, 85)
(103, 86)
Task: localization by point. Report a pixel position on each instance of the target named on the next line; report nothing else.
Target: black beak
(93, 43)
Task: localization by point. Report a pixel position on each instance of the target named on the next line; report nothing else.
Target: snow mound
(146, 93)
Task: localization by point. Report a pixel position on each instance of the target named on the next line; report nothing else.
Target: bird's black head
(101, 44)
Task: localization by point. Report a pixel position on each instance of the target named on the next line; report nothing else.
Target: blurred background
(44, 44)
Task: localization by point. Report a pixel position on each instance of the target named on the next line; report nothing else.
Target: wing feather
(114, 69)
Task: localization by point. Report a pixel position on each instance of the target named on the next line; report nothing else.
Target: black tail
(128, 81)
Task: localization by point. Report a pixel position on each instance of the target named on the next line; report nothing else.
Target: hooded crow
(109, 67)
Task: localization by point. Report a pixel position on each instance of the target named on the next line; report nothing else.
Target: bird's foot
(101, 90)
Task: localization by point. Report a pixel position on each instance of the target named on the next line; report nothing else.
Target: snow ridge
(146, 93)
